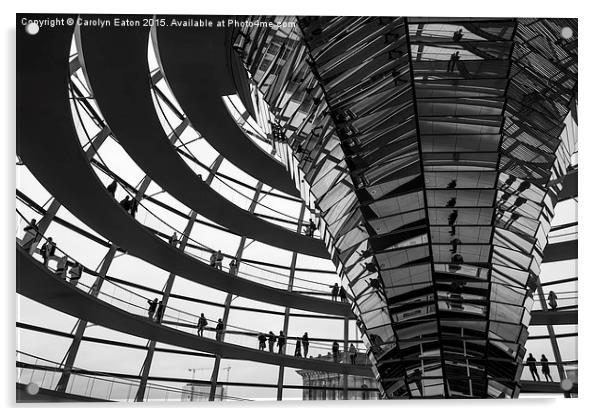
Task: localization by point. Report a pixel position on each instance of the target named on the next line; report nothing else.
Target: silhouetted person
(311, 227)
(31, 232)
(508, 182)
(335, 291)
(342, 294)
(112, 187)
(271, 341)
(61, 268)
(281, 342)
(352, 354)
(213, 259)
(126, 203)
(513, 217)
(160, 311)
(47, 250)
(134, 207)
(452, 184)
(173, 240)
(505, 196)
(451, 203)
(451, 220)
(545, 368)
(523, 186)
(371, 267)
(298, 348)
(532, 367)
(517, 203)
(152, 307)
(453, 61)
(75, 273)
(552, 300)
(457, 35)
(262, 338)
(456, 286)
(335, 352)
(305, 342)
(374, 284)
(457, 259)
(219, 330)
(455, 242)
(219, 257)
(200, 327)
(233, 267)
(365, 253)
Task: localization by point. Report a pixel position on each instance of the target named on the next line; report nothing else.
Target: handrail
(317, 343)
(34, 206)
(36, 283)
(102, 377)
(243, 273)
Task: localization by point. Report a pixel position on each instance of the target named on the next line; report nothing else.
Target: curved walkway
(199, 81)
(47, 142)
(554, 317)
(564, 250)
(35, 282)
(51, 396)
(543, 387)
(117, 69)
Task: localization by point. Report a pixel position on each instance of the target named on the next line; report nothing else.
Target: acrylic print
(237, 208)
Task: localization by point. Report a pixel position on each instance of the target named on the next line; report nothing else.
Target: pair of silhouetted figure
(545, 367)
(342, 294)
(338, 291)
(129, 205)
(457, 36)
(216, 259)
(155, 309)
(453, 61)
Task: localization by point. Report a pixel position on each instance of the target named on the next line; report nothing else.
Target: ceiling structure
(435, 150)
(432, 177)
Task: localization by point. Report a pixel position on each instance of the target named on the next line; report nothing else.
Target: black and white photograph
(289, 208)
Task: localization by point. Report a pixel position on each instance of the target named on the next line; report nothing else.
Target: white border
(590, 189)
